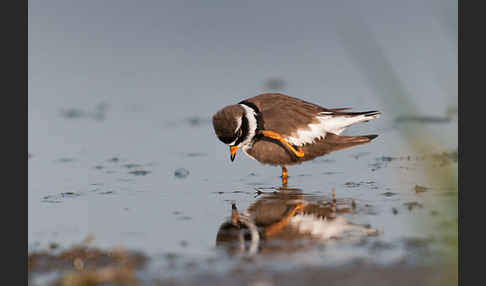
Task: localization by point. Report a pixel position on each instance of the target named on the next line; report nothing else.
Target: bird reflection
(287, 221)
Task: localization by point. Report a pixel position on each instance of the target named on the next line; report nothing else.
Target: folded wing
(301, 122)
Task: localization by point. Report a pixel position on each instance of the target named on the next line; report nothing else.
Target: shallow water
(164, 186)
(121, 147)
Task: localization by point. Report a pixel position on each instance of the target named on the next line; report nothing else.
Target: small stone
(139, 172)
(412, 205)
(53, 245)
(389, 194)
(181, 173)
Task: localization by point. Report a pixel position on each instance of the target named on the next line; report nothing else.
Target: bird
(279, 130)
(277, 222)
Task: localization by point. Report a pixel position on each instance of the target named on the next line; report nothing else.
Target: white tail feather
(328, 123)
(325, 229)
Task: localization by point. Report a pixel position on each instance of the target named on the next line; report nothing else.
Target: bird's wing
(301, 122)
(284, 114)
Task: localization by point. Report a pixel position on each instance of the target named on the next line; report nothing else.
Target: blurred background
(121, 95)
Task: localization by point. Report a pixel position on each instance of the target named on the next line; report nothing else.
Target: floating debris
(420, 189)
(181, 173)
(139, 172)
(412, 205)
(376, 166)
(131, 166)
(73, 113)
(114, 160)
(389, 194)
(359, 155)
(53, 245)
(107, 193)
(386, 158)
(352, 184)
(99, 113)
(355, 185)
(59, 197)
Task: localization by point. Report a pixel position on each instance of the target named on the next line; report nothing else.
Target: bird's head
(231, 127)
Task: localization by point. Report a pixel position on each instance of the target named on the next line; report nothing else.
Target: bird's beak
(233, 152)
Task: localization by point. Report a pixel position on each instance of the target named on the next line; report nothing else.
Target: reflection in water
(287, 221)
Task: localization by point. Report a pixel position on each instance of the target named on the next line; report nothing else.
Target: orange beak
(233, 152)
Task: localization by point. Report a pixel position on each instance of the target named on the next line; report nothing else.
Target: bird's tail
(339, 120)
(343, 142)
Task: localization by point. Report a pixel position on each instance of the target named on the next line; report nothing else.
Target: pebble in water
(181, 173)
(139, 172)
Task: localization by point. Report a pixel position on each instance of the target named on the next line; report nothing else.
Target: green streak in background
(369, 58)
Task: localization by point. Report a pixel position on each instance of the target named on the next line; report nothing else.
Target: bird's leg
(234, 213)
(284, 176)
(276, 227)
(274, 135)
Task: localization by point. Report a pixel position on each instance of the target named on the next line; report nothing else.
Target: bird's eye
(238, 133)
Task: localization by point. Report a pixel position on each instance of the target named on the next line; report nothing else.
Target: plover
(279, 130)
(280, 222)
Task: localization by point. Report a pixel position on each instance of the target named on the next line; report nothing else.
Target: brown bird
(287, 222)
(279, 130)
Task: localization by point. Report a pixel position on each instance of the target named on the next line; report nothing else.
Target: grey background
(173, 53)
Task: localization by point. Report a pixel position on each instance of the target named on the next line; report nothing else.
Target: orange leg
(234, 213)
(276, 227)
(333, 200)
(276, 136)
(284, 176)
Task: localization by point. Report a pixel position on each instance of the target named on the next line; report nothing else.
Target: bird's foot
(284, 177)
